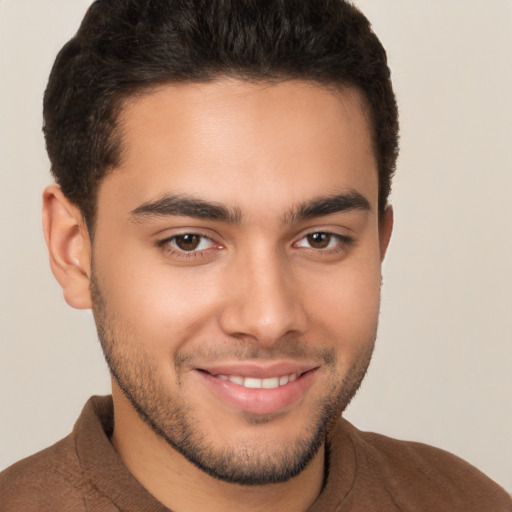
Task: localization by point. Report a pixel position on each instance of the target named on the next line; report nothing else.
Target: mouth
(263, 383)
(259, 390)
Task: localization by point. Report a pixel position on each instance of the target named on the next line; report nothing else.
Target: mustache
(251, 351)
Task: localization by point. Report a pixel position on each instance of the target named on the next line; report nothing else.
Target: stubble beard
(174, 422)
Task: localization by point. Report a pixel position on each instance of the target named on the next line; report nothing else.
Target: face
(236, 269)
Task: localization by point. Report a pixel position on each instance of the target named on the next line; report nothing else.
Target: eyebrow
(328, 205)
(179, 205)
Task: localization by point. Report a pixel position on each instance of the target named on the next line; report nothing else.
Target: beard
(247, 462)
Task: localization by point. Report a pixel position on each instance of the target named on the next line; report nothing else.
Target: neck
(180, 486)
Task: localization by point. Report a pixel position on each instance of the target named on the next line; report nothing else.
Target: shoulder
(40, 481)
(416, 472)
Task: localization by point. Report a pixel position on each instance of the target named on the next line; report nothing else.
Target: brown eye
(188, 242)
(319, 240)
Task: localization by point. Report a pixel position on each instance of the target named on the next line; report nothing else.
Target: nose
(263, 300)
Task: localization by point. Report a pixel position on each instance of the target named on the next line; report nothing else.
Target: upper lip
(258, 370)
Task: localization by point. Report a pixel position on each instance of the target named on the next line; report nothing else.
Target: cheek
(345, 302)
(154, 304)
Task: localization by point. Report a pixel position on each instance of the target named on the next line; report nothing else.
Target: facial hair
(173, 420)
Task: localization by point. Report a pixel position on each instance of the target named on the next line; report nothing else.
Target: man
(223, 171)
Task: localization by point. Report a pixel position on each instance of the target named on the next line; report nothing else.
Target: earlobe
(385, 230)
(69, 246)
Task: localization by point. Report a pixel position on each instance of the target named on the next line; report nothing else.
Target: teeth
(249, 382)
(270, 383)
(252, 383)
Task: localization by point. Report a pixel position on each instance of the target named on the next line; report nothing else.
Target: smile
(253, 383)
(258, 389)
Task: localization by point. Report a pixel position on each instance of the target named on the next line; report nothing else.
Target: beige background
(442, 372)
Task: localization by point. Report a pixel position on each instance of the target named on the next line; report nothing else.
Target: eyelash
(343, 242)
(166, 246)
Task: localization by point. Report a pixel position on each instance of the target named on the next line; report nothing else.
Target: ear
(69, 246)
(385, 230)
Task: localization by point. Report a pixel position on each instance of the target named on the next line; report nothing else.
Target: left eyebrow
(328, 205)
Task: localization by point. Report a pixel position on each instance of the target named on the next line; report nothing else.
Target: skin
(259, 290)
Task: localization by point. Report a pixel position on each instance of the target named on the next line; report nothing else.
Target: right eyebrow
(184, 206)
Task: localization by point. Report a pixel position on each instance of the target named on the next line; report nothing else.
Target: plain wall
(442, 371)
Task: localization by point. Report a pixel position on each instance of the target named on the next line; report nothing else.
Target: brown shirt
(366, 473)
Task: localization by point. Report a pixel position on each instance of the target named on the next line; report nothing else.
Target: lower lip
(259, 400)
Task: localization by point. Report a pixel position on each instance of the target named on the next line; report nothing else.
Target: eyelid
(342, 242)
(328, 231)
(165, 244)
(173, 241)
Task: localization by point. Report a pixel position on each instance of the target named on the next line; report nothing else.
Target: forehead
(244, 144)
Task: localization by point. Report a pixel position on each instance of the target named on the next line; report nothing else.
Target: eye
(189, 242)
(324, 241)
